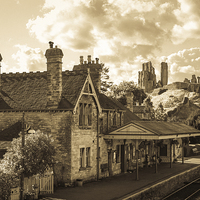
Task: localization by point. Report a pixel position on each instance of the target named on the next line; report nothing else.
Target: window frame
(87, 157)
(85, 114)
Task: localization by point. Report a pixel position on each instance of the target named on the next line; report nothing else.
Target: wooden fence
(47, 184)
(42, 184)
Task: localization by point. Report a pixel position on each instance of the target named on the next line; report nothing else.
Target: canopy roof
(154, 130)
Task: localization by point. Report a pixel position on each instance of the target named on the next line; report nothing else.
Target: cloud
(188, 21)
(80, 25)
(183, 64)
(124, 34)
(28, 59)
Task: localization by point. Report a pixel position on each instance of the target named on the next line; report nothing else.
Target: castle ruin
(147, 77)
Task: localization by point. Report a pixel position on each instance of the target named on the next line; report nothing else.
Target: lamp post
(22, 172)
(0, 70)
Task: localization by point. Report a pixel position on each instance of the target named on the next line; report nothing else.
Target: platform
(124, 185)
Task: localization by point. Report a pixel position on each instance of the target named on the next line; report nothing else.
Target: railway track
(189, 191)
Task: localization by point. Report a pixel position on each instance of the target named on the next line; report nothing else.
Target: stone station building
(95, 135)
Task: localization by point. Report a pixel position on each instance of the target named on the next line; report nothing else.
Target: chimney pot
(92, 61)
(85, 62)
(97, 60)
(51, 44)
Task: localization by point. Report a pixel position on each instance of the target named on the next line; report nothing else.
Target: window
(87, 156)
(114, 118)
(163, 150)
(82, 152)
(118, 153)
(85, 114)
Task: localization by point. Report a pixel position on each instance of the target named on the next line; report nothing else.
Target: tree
(160, 114)
(105, 84)
(149, 108)
(119, 92)
(38, 154)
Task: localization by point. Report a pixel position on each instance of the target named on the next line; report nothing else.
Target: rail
(186, 192)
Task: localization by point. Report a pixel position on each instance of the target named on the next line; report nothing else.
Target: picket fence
(37, 184)
(45, 183)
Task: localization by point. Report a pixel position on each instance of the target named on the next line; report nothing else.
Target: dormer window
(85, 114)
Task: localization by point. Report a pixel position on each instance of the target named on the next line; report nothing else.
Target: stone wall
(83, 137)
(163, 188)
(56, 124)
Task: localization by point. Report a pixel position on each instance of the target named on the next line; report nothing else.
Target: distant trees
(158, 114)
(119, 92)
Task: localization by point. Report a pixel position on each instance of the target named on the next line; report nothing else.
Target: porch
(144, 143)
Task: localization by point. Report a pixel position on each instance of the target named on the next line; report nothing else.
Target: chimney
(95, 70)
(97, 60)
(81, 60)
(54, 76)
(129, 100)
(89, 59)
(198, 79)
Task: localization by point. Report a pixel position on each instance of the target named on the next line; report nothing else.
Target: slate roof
(138, 109)
(11, 132)
(167, 128)
(29, 90)
(155, 130)
(112, 103)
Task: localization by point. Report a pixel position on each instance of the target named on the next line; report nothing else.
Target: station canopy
(153, 130)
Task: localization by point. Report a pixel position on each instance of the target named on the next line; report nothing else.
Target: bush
(38, 155)
(7, 181)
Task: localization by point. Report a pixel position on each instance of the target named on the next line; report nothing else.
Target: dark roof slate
(112, 103)
(30, 91)
(138, 109)
(166, 128)
(11, 132)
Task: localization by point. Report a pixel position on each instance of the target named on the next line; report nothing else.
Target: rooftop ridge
(40, 74)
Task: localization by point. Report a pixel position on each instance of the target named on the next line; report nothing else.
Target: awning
(153, 130)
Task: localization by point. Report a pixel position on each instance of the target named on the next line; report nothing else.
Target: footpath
(123, 185)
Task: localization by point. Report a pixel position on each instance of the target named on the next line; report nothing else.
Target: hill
(177, 103)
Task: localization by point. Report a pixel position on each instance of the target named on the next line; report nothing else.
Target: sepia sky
(122, 33)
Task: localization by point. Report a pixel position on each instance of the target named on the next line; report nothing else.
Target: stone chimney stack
(95, 70)
(81, 60)
(129, 100)
(89, 59)
(54, 76)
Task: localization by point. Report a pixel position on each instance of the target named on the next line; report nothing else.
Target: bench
(195, 151)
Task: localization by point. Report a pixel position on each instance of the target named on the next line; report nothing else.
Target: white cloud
(183, 64)
(188, 23)
(28, 59)
(106, 26)
(124, 34)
